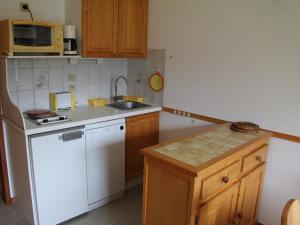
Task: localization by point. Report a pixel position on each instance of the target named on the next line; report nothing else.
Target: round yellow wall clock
(156, 82)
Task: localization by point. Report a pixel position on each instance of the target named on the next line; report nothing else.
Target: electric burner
(43, 117)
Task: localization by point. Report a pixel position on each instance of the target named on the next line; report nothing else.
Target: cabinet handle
(236, 220)
(225, 180)
(258, 158)
(70, 136)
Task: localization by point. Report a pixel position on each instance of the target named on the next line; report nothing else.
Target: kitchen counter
(84, 115)
(193, 151)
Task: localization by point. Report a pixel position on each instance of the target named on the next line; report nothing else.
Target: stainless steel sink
(125, 105)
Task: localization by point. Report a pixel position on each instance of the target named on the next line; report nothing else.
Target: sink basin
(128, 105)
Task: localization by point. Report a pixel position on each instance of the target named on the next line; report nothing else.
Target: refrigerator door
(59, 163)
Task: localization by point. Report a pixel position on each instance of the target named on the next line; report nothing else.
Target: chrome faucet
(116, 97)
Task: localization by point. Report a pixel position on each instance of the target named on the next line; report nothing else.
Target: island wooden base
(225, 191)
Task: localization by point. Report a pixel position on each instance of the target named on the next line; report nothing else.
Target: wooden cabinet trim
(87, 49)
(141, 131)
(207, 209)
(127, 31)
(142, 116)
(184, 192)
(220, 180)
(123, 32)
(255, 158)
(246, 182)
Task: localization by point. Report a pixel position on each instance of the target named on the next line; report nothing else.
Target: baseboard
(134, 182)
(105, 201)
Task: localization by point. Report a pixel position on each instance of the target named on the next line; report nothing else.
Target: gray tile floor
(124, 211)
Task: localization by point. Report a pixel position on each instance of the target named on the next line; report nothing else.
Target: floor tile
(124, 211)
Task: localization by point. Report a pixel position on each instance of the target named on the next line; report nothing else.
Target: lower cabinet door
(249, 196)
(221, 209)
(141, 132)
(59, 165)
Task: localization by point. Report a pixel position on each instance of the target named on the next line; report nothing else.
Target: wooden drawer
(252, 160)
(220, 180)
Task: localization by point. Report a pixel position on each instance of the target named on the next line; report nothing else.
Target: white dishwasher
(105, 149)
(59, 163)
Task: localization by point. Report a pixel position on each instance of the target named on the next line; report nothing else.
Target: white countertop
(84, 115)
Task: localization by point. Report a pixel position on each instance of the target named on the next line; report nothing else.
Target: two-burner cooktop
(44, 117)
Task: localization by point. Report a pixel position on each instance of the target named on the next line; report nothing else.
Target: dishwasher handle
(70, 136)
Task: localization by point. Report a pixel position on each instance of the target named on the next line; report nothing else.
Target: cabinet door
(100, 28)
(141, 132)
(105, 151)
(59, 165)
(221, 209)
(249, 196)
(132, 40)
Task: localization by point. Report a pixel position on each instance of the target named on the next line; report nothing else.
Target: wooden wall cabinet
(141, 131)
(114, 28)
(223, 191)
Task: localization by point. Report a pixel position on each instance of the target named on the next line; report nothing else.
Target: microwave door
(32, 35)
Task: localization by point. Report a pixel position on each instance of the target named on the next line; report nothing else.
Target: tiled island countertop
(193, 151)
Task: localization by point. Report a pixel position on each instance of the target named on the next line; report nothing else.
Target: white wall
(45, 10)
(173, 126)
(237, 60)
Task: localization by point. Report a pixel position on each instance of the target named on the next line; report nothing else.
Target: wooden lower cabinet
(237, 205)
(219, 192)
(221, 209)
(141, 131)
(249, 196)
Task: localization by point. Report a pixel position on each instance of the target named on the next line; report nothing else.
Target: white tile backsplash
(82, 95)
(25, 63)
(105, 91)
(40, 63)
(41, 78)
(82, 76)
(55, 78)
(94, 91)
(55, 63)
(94, 74)
(38, 77)
(139, 72)
(10, 64)
(12, 83)
(41, 98)
(26, 100)
(25, 79)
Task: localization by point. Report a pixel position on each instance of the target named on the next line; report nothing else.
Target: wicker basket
(245, 127)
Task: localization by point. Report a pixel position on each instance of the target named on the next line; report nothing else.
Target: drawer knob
(225, 180)
(240, 215)
(258, 158)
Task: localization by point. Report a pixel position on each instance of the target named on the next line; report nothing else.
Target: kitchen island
(214, 178)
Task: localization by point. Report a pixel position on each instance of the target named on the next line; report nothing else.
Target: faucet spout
(116, 97)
